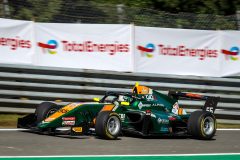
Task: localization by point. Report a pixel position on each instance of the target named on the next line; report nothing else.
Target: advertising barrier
(118, 47)
(95, 46)
(229, 50)
(177, 51)
(16, 41)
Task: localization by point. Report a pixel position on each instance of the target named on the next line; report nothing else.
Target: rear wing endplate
(210, 104)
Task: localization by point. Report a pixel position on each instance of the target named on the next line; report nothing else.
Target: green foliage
(80, 11)
(36, 10)
(220, 7)
(196, 14)
(131, 3)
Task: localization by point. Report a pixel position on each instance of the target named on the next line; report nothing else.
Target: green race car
(143, 112)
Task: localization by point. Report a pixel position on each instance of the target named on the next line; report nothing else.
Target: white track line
(143, 155)
(228, 129)
(21, 129)
(13, 129)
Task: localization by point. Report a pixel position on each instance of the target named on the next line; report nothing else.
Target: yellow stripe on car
(62, 111)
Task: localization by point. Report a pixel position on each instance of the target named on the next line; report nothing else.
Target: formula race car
(143, 112)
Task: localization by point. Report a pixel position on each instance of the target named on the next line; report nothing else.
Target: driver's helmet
(141, 90)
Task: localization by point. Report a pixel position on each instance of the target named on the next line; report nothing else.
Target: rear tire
(108, 125)
(202, 125)
(45, 109)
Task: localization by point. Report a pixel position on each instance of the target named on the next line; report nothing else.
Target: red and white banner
(177, 51)
(16, 41)
(110, 47)
(86, 46)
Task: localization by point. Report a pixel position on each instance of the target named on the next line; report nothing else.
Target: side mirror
(125, 103)
(96, 99)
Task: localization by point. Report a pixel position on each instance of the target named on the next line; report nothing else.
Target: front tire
(44, 110)
(202, 125)
(108, 125)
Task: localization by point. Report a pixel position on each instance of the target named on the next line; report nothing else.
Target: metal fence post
(238, 19)
(6, 11)
(120, 12)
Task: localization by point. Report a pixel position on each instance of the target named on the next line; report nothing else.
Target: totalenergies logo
(49, 47)
(231, 54)
(177, 51)
(147, 51)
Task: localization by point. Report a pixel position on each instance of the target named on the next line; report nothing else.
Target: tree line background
(195, 14)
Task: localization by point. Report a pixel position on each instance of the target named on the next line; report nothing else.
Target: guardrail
(22, 87)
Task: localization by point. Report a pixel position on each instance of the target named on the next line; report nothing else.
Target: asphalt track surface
(19, 143)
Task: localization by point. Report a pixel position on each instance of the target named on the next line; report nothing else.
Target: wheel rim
(51, 111)
(113, 125)
(208, 125)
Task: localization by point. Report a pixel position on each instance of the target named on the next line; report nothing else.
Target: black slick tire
(44, 110)
(202, 125)
(108, 125)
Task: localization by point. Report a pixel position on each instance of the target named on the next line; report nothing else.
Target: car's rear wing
(210, 104)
